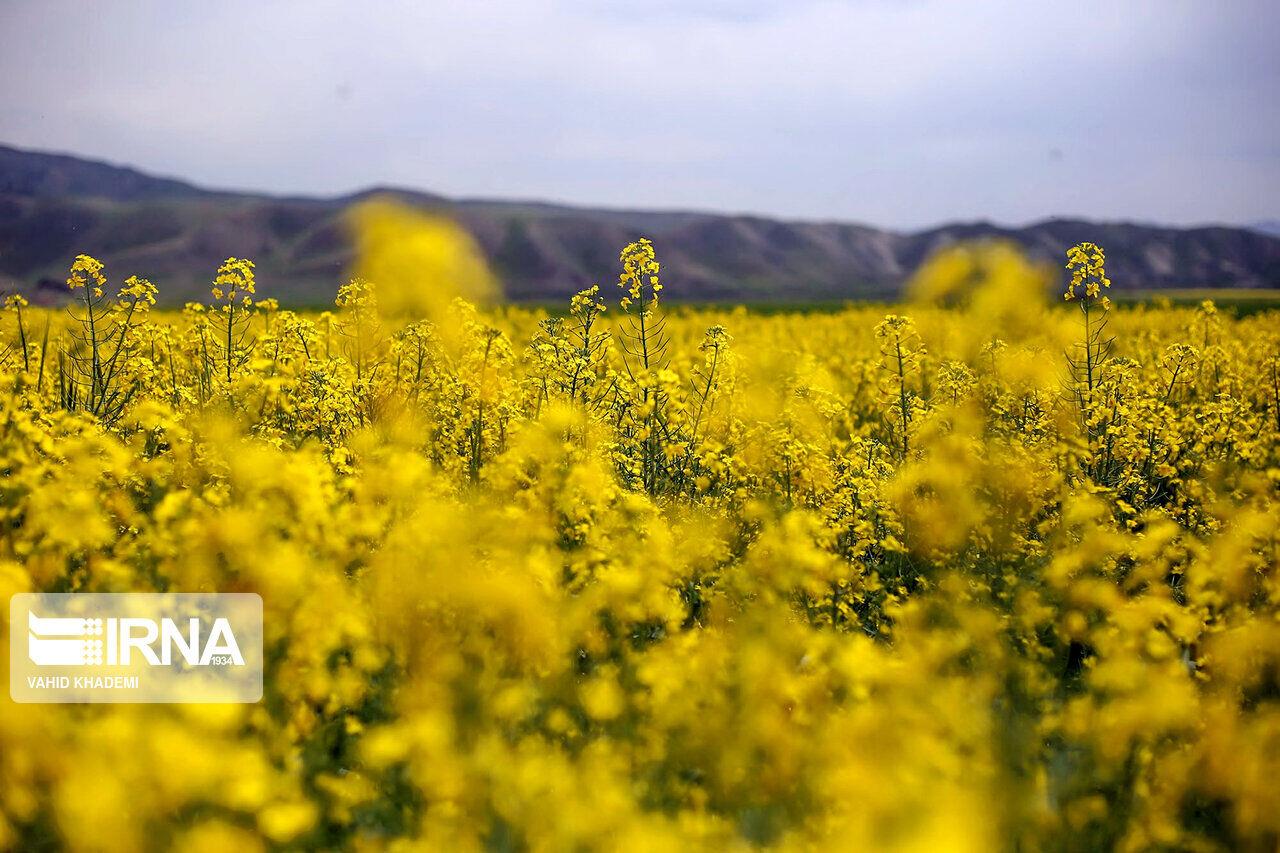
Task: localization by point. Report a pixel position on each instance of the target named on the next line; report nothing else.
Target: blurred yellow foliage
(967, 577)
(420, 262)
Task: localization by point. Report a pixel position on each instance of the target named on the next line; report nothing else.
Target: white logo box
(135, 647)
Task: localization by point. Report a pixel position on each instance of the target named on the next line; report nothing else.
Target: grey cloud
(896, 113)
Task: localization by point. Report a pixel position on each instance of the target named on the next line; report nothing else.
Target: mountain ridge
(175, 232)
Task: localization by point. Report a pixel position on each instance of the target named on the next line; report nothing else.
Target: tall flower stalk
(1088, 360)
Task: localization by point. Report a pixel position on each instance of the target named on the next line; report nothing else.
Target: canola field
(987, 569)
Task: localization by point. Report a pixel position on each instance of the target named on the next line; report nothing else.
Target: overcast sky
(899, 114)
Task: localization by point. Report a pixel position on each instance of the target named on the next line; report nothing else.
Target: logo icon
(50, 641)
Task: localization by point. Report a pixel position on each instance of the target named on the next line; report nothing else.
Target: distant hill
(54, 206)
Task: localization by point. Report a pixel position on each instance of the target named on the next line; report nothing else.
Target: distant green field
(1240, 301)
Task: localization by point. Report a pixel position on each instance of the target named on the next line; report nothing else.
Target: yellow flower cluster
(1086, 261)
(86, 272)
(235, 277)
(639, 275)
(701, 579)
(139, 292)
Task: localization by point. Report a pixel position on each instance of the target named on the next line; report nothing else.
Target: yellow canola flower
(945, 575)
(1086, 262)
(419, 263)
